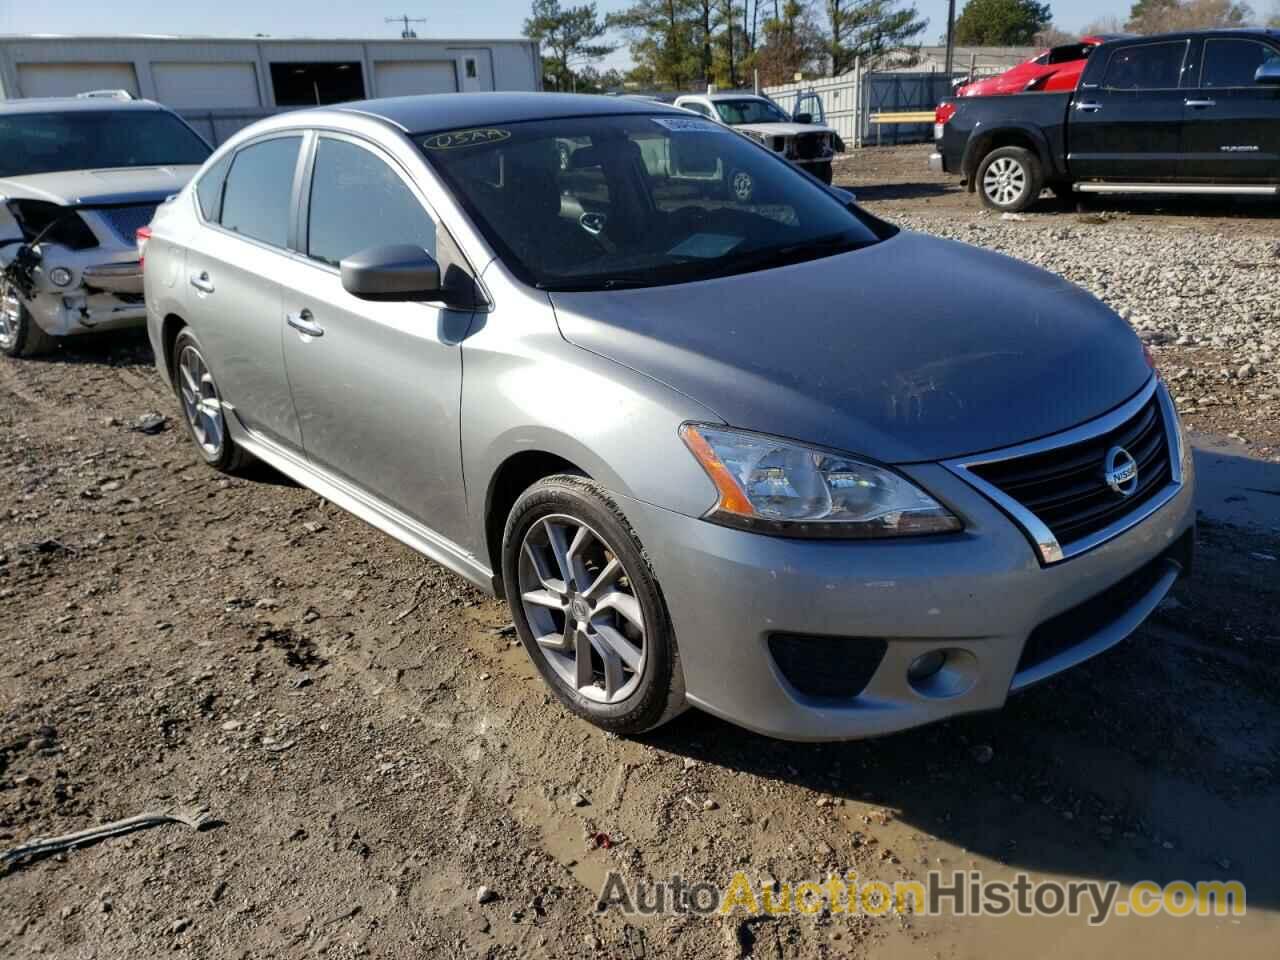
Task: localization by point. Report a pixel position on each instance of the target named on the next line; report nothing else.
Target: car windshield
(749, 110)
(606, 202)
(95, 139)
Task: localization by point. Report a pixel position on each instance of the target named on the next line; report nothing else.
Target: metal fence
(850, 101)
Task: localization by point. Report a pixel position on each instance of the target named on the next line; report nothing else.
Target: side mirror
(397, 272)
(803, 118)
(1268, 73)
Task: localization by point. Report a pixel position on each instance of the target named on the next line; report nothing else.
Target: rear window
(32, 143)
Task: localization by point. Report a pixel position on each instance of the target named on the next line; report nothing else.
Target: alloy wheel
(200, 402)
(1004, 181)
(584, 615)
(10, 315)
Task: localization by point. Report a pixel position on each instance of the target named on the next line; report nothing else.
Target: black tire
(227, 457)
(822, 171)
(658, 692)
(27, 338)
(1009, 179)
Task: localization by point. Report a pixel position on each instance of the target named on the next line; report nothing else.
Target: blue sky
(488, 18)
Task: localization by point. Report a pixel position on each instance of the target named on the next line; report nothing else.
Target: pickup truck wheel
(20, 335)
(1010, 179)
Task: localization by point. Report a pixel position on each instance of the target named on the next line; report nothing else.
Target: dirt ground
(374, 747)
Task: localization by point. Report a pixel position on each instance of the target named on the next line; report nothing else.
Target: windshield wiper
(596, 283)
(812, 249)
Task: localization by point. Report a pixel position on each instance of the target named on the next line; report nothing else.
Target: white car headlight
(775, 486)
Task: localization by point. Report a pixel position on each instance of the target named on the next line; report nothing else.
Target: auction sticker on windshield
(465, 138)
(689, 125)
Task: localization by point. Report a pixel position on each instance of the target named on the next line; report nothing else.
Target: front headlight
(775, 486)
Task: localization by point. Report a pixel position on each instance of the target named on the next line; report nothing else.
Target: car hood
(782, 129)
(916, 349)
(116, 185)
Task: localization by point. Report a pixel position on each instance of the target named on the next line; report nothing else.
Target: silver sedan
(757, 452)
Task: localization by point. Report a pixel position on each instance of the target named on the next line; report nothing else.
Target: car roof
(75, 105)
(729, 95)
(450, 111)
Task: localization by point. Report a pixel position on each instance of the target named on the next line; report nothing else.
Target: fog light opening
(924, 667)
(940, 674)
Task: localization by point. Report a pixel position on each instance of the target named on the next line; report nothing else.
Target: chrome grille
(1057, 489)
(125, 221)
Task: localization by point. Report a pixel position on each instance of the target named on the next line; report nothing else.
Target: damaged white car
(803, 138)
(78, 178)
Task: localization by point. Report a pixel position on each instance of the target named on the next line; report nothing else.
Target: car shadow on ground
(131, 350)
(899, 191)
(1159, 760)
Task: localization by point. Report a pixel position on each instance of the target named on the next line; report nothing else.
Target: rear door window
(257, 200)
(209, 189)
(1152, 66)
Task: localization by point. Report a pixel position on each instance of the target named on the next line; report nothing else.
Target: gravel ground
(374, 748)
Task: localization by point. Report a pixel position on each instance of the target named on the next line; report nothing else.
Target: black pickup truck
(1195, 112)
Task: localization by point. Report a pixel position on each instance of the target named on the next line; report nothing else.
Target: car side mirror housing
(803, 118)
(1268, 73)
(396, 272)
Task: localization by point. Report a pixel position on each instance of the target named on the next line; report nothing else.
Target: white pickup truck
(807, 144)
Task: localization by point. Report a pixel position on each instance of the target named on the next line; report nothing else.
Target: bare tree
(1102, 26)
(1162, 16)
(1052, 36)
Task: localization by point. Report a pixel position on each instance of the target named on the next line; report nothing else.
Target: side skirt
(369, 509)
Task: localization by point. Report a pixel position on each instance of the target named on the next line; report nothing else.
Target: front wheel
(588, 608)
(1010, 179)
(20, 335)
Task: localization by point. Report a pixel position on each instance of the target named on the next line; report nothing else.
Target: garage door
(402, 78)
(208, 85)
(68, 79)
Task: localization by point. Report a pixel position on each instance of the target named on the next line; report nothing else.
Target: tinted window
(209, 189)
(358, 202)
(95, 139)
(1233, 63)
(734, 112)
(610, 201)
(259, 188)
(1154, 66)
(1070, 53)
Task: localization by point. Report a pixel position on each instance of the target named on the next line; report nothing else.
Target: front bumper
(104, 292)
(980, 594)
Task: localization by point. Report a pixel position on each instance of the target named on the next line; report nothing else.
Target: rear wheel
(20, 335)
(202, 406)
(588, 608)
(1010, 179)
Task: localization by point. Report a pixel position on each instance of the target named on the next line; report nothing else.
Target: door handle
(1089, 106)
(304, 323)
(1201, 104)
(202, 283)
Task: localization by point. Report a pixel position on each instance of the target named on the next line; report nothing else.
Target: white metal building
(222, 84)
